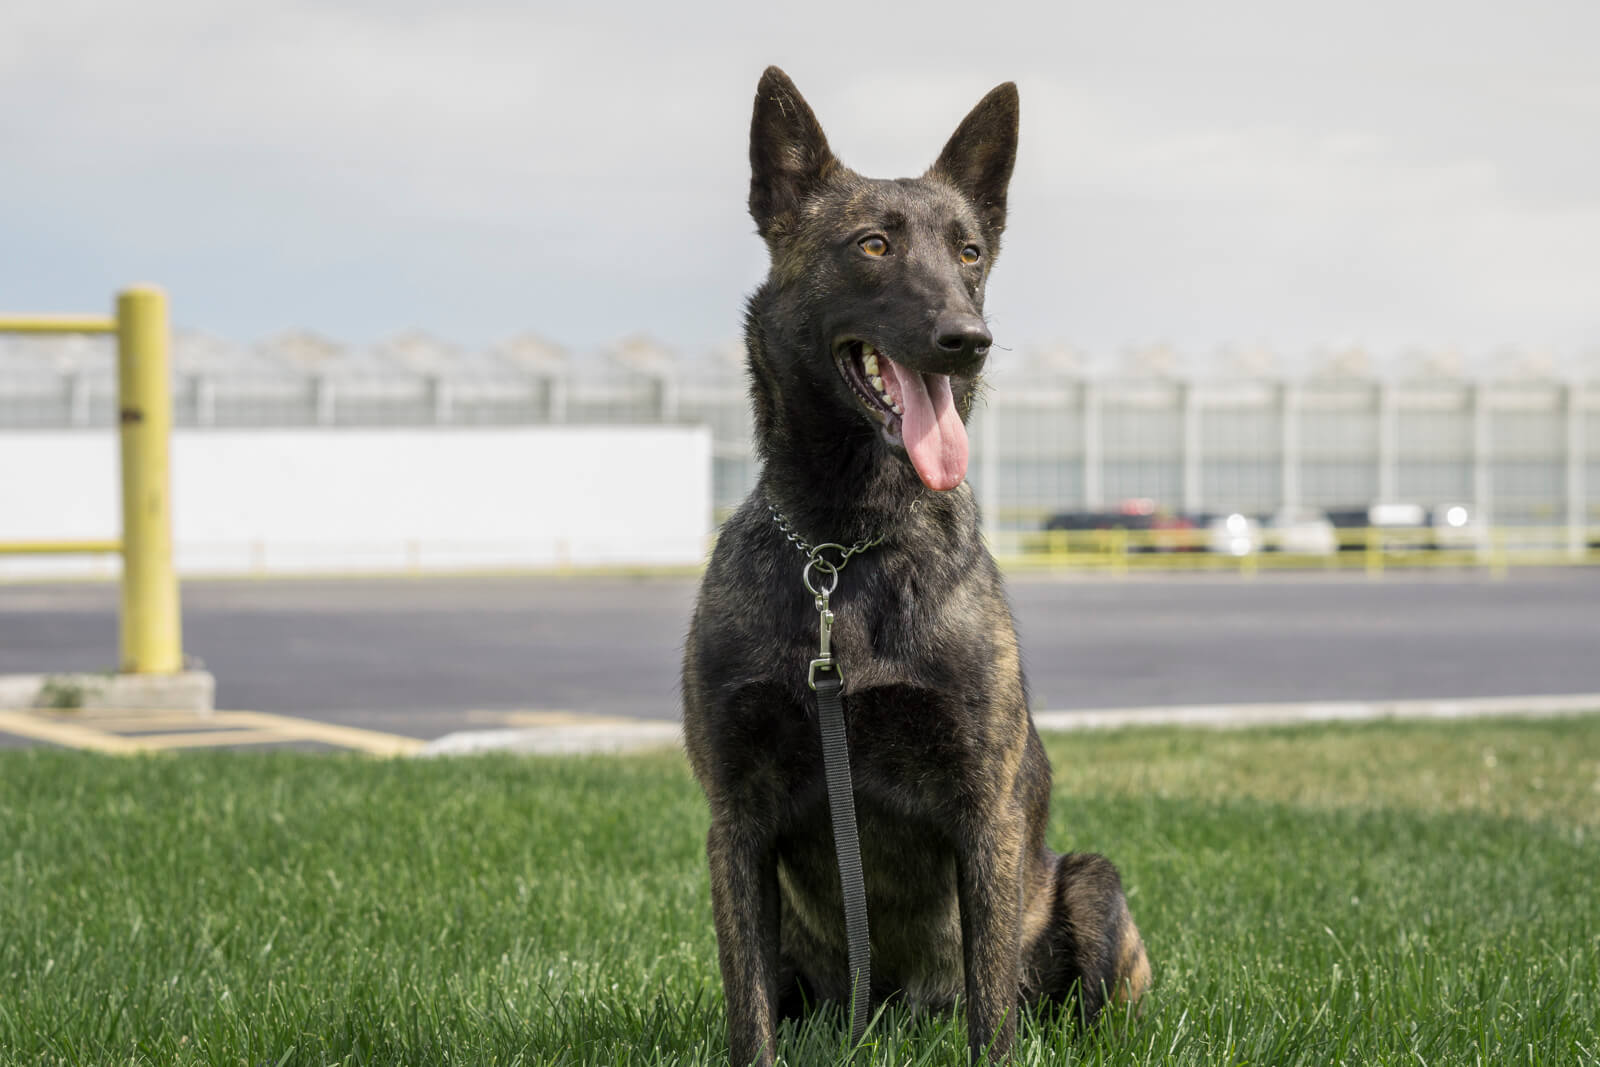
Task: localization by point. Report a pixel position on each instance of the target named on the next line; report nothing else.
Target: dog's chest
(911, 898)
(913, 749)
(932, 694)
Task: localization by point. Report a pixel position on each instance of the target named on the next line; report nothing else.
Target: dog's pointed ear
(789, 156)
(979, 156)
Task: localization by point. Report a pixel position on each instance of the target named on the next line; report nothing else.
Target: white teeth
(874, 375)
(883, 394)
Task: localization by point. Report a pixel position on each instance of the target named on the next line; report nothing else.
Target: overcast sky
(1246, 171)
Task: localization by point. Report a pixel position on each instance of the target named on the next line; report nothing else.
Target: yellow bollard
(152, 642)
(1499, 555)
(1119, 552)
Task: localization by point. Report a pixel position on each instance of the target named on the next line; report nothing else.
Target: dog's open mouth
(916, 409)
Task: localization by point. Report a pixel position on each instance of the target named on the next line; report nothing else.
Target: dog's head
(881, 282)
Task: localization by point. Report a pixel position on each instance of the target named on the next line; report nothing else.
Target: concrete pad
(192, 691)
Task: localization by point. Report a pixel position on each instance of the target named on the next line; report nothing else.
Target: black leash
(836, 768)
(842, 807)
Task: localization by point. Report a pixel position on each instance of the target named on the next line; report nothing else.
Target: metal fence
(1045, 440)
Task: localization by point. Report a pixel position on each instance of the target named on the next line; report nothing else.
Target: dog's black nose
(963, 335)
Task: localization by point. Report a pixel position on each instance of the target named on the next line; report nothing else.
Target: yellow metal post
(151, 636)
(1119, 552)
(1499, 554)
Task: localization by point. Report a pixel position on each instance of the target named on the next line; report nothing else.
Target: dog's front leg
(988, 881)
(744, 905)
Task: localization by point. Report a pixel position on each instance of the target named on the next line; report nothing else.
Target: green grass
(1418, 894)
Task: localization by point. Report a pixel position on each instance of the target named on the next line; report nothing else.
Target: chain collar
(817, 560)
(817, 557)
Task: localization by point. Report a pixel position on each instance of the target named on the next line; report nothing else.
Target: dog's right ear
(789, 156)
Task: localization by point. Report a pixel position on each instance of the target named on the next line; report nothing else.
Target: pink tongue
(935, 438)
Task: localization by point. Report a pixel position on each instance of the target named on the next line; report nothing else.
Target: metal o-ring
(844, 555)
(824, 567)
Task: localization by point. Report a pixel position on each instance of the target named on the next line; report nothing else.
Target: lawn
(1392, 893)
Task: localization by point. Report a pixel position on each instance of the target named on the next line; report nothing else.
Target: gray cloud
(1399, 173)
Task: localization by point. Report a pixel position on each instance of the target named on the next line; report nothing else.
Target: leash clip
(821, 578)
(824, 660)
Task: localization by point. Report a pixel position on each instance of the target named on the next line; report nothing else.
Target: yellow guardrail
(151, 630)
(1373, 549)
(60, 548)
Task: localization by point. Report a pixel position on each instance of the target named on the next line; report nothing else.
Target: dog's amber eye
(875, 246)
(971, 255)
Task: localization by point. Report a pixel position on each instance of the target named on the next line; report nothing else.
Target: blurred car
(1140, 516)
(1454, 527)
(1301, 531)
(1235, 534)
(1347, 522)
(1446, 526)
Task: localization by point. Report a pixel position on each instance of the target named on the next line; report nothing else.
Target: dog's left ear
(979, 156)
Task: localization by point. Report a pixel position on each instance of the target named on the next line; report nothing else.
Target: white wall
(372, 500)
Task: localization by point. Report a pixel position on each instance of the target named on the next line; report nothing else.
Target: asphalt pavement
(426, 656)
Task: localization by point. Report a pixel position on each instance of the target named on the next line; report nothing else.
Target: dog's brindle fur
(952, 785)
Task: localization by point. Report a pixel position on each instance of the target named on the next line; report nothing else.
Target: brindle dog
(865, 348)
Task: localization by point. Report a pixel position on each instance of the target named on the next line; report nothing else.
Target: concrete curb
(1235, 716)
(185, 691)
(625, 736)
(558, 740)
